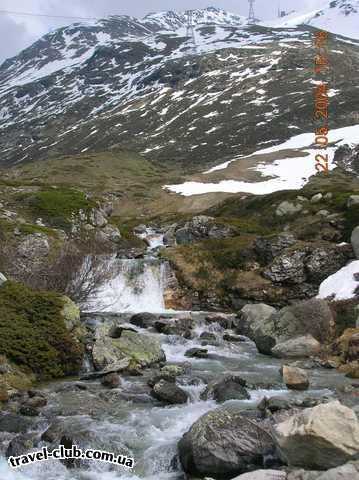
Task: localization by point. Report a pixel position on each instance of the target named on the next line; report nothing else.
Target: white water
(137, 286)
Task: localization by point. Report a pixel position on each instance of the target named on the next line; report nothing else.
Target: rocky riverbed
(184, 394)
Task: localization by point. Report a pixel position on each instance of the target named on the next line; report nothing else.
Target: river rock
(197, 353)
(230, 387)
(355, 241)
(142, 350)
(169, 392)
(295, 378)
(223, 443)
(143, 320)
(251, 316)
(309, 317)
(112, 380)
(21, 445)
(299, 347)
(12, 423)
(175, 326)
(322, 437)
(211, 337)
(263, 475)
(116, 330)
(226, 321)
(230, 337)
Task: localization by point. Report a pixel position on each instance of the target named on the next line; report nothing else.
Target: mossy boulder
(142, 350)
(13, 378)
(34, 335)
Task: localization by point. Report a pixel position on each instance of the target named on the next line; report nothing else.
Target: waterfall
(137, 285)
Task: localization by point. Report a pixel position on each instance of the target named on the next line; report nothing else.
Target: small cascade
(136, 285)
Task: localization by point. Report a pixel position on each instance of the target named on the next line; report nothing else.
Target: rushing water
(127, 417)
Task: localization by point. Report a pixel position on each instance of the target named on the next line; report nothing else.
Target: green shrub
(33, 333)
(57, 205)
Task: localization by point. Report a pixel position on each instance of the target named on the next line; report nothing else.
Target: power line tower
(251, 16)
(190, 29)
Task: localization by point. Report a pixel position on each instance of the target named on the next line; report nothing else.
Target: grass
(56, 205)
(33, 332)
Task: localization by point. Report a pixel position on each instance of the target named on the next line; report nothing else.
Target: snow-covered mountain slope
(123, 83)
(337, 16)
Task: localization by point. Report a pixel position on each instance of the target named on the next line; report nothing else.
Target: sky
(18, 32)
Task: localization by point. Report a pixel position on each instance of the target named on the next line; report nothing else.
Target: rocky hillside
(141, 85)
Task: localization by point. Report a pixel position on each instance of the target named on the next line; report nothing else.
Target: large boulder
(268, 248)
(142, 350)
(310, 317)
(319, 438)
(224, 443)
(169, 392)
(201, 228)
(299, 347)
(230, 387)
(251, 317)
(287, 268)
(355, 241)
(325, 261)
(286, 208)
(175, 326)
(295, 378)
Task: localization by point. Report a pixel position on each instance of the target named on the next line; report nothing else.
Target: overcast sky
(18, 32)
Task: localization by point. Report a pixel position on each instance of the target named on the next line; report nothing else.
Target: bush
(33, 333)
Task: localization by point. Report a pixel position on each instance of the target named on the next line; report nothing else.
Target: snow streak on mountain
(141, 85)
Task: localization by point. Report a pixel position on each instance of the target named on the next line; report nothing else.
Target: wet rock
(355, 241)
(319, 438)
(36, 402)
(288, 209)
(295, 378)
(309, 317)
(142, 350)
(299, 347)
(140, 229)
(211, 337)
(230, 387)
(268, 248)
(112, 380)
(169, 392)
(116, 367)
(143, 320)
(251, 316)
(21, 445)
(116, 330)
(197, 353)
(224, 320)
(263, 475)
(223, 443)
(29, 411)
(12, 423)
(274, 404)
(230, 337)
(176, 326)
